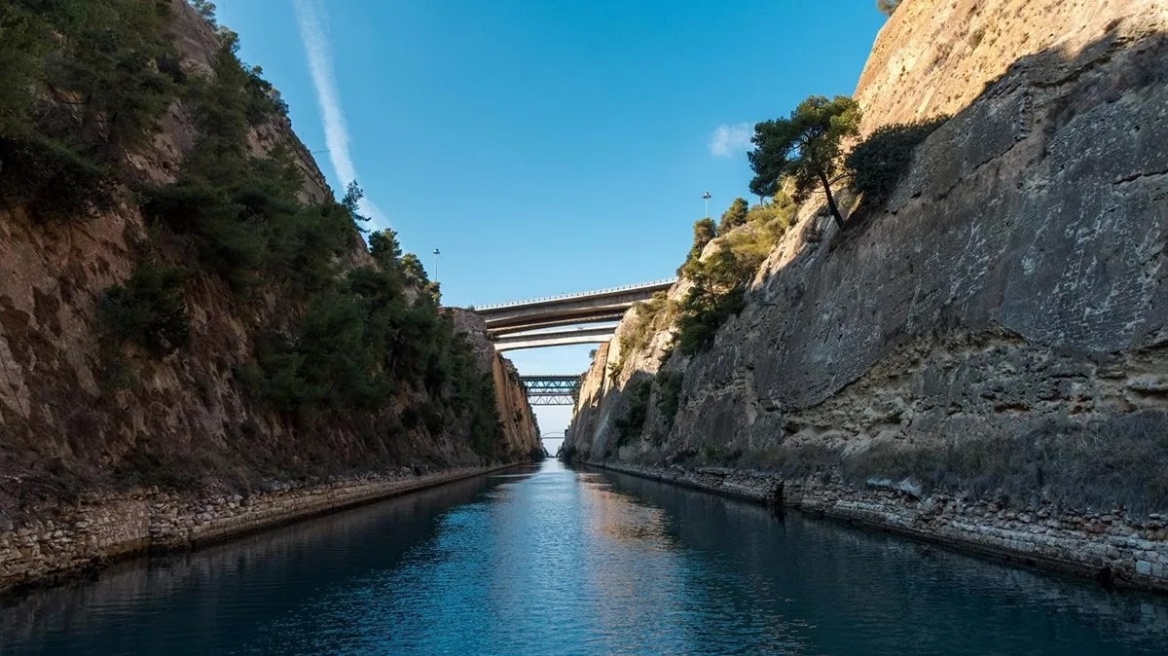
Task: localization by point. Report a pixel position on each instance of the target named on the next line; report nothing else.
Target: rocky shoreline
(66, 541)
(1113, 548)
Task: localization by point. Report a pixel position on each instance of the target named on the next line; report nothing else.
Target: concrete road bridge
(536, 317)
(585, 318)
(554, 338)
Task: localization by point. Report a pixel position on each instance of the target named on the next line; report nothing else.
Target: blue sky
(546, 146)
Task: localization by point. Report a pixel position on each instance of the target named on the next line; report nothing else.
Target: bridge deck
(656, 285)
(551, 390)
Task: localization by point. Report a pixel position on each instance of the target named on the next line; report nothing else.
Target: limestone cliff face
(1013, 285)
(520, 428)
(62, 430)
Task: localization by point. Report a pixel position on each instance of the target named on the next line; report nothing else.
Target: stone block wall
(65, 540)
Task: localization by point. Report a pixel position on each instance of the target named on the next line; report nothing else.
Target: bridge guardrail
(565, 297)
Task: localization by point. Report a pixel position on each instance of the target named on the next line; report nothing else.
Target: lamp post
(436, 254)
(706, 196)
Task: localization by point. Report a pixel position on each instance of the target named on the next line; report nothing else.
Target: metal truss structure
(551, 390)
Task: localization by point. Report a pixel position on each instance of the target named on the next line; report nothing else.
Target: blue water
(554, 561)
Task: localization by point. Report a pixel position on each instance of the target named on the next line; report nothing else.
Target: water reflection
(556, 561)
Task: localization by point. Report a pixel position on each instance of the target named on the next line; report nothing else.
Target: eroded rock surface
(1013, 287)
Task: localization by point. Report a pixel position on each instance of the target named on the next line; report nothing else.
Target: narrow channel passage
(550, 560)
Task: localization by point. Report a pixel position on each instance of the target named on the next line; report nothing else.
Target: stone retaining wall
(1111, 547)
(66, 540)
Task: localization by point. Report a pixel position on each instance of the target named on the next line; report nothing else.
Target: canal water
(555, 561)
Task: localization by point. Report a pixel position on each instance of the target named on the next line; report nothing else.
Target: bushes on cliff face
(632, 424)
(647, 318)
(148, 310)
(704, 232)
(718, 292)
(669, 396)
(339, 347)
(240, 213)
(720, 281)
(361, 344)
(734, 216)
(84, 83)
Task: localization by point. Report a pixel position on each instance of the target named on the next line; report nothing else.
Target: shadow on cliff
(1049, 69)
(1049, 89)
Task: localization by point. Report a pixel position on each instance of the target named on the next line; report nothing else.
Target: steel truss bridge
(551, 390)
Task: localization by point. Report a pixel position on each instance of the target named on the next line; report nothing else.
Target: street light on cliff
(436, 254)
(706, 196)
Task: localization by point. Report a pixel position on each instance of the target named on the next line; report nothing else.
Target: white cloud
(730, 139)
(310, 16)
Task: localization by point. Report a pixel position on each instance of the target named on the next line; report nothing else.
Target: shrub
(648, 317)
(720, 281)
(148, 310)
(718, 293)
(669, 396)
(633, 422)
(52, 180)
(83, 85)
(734, 216)
(881, 160)
(703, 233)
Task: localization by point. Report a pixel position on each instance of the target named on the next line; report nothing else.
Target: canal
(554, 561)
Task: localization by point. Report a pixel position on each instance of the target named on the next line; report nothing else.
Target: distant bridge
(557, 338)
(504, 321)
(551, 390)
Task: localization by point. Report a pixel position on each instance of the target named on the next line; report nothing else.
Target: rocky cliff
(82, 415)
(994, 332)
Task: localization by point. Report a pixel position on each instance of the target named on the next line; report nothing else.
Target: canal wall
(67, 541)
(992, 337)
(1113, 548)
(214, 383)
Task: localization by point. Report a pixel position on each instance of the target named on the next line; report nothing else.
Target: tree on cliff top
(734, 216)
(805, 147)
(887, 6)
(703, 233)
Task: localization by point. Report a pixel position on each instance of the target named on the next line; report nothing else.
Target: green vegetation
(84, 83)
(632, 424)
(718, 292)
(148, 310)
(880, 161)
(647, 318)
(669, 395)
(800, 152)
(734, 216)
(704, 232)
(720, 281)
(804, 148)
(239, 212)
